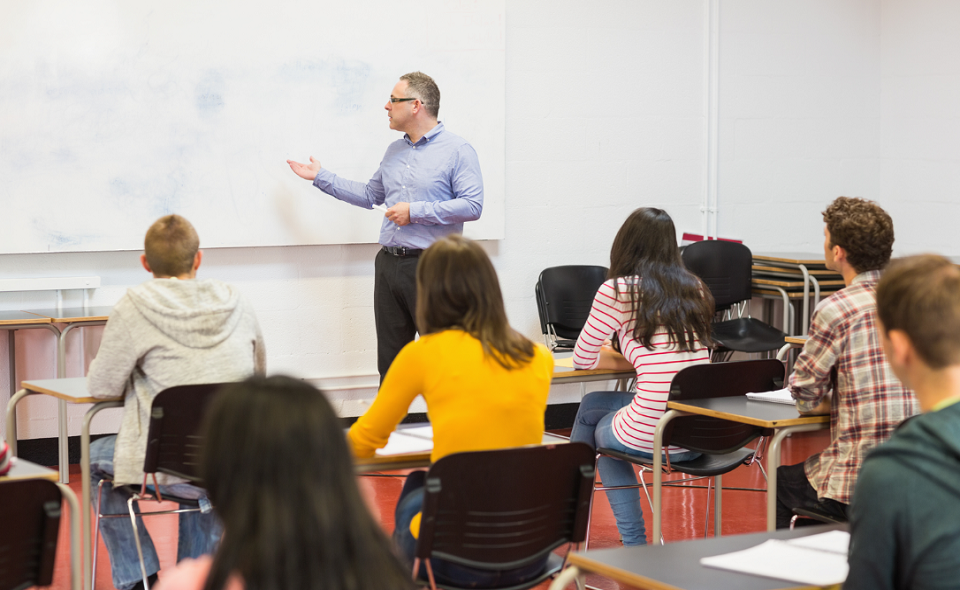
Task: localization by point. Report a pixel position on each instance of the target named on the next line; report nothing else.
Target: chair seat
(747, 335)
(705, 465)
(554, 563)
(814, 513)
(135, 489)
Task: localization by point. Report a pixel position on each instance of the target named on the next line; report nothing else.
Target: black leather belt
(401, 251)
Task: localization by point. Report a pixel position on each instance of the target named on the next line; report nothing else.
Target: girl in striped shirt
(659, 314)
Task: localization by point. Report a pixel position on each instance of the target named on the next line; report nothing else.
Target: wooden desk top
(798, 340)
(421, 459)
(793, 272)
(23, 469)
(21, 318)
(747, 411)
(792, 294)
(563, 372)
(74, 314)
(795, 284)
(676, 566)
(804, 258)
(71, 389)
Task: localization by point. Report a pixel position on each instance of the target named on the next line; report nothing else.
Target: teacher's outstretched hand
(307, 172)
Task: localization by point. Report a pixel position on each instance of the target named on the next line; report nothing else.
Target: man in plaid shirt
(841, 370)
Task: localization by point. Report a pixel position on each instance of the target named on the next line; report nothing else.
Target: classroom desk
(804, 262)
(11, 321)
(422, 459)
(73, 391)
(676, 566)
(74, 317)
(22, 470)
(783, 418)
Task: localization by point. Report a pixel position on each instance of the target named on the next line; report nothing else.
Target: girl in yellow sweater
(485, 385)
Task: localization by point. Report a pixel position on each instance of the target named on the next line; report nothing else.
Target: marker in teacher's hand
(380, 208)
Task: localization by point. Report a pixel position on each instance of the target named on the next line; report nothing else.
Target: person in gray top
(172, 330)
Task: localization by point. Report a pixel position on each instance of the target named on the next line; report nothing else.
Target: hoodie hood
(195, 313)
(928, 445)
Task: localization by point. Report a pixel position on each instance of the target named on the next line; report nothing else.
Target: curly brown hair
(863, 230)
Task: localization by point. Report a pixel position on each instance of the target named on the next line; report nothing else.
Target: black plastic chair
(721, 442)
(564, 298)
(815, 514)
(30, 517)
(505, 509)
(726, 269)
(173, 448)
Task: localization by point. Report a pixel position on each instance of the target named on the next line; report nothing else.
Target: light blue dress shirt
(439, 176)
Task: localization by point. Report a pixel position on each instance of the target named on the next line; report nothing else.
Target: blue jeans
(594, 426)
(445, 572)
(199, 532)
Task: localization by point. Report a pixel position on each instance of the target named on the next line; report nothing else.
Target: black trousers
(394, 305)
(794, 491)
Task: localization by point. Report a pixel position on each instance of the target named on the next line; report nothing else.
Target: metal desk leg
(12, 418)
(71, 499)
(85, 488)
(773, 461)
(657, 464)
(63, 434)
(564, 578)
(806, 298)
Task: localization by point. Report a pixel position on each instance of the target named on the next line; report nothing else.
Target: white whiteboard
(113, 113)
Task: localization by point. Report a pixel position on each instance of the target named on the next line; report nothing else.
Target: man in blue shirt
(430, 183)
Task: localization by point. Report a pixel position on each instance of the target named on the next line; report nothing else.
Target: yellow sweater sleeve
(403, 383)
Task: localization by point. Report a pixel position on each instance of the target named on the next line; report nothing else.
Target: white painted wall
(605, 111)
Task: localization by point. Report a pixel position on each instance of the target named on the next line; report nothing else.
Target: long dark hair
(667, 294)
(457, 288)
(276, 466)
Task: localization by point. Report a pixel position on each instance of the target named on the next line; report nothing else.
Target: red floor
(683, 517)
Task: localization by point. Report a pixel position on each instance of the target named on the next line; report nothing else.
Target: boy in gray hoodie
(906, 506)
(171, 330)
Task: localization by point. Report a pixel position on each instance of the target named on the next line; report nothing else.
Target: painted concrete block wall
(604, 114)
(919, 177)
(799, 116)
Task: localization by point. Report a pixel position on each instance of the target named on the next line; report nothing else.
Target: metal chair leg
(706, 512)
(136, 537)
(96, 537)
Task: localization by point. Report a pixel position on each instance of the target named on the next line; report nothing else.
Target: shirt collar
(870, 276)
(428, 137)
(945, 404)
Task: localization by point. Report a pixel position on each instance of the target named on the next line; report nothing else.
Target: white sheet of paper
(399, 443)
(780, 396)
(832, 541)
(419, 431)
(783, 561)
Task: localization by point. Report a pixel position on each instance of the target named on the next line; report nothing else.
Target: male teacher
(430, 183)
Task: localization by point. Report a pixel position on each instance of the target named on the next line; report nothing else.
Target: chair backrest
(565, 295)
(507, 508)
(29, 525)
(174, 441)
(713, 435)
(725, 267)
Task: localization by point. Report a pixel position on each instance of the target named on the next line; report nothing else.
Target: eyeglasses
(394, 99)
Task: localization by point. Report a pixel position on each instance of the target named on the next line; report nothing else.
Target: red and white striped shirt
(612, 314)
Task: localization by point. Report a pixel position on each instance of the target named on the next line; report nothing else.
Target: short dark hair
(457, 288)
(920, 296)
(422, 86)
(278, 469)
(863, 230)
(171, 245)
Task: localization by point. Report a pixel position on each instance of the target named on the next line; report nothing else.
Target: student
(279, 473)
(660, 315)
(903, 518)
(485, 385)
(172, 330)
(841, 370)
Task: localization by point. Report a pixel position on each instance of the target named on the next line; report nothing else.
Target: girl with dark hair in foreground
(659, 314)
(279, 473)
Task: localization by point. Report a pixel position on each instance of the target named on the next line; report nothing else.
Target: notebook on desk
(419, 439)
(819, 560)
(780, 396)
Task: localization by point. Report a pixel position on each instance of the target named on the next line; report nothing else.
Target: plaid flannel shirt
(843, 358)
